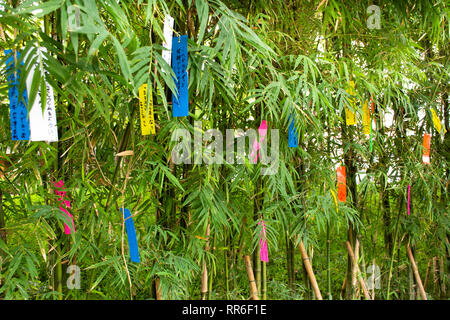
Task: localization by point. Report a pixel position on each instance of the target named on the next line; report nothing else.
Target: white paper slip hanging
(168, 32)
(43, 126)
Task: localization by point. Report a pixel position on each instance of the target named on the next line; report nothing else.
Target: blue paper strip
(131, 233)
(20, 125)
(179, 65)
(292, 134)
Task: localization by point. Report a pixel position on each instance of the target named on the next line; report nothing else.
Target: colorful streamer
(341, 183)
(146, 112)
(409, 193)
(436, 121)
(263, 244)
(62, 194)
(426, 148)
(179, 65)
(168, 32)
(366, 118)
(262, 131)
(43, 125)
(131, 233)
(20, 125)
(350, 116)
(292, 133)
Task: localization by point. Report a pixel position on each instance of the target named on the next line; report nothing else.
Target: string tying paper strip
(262, 131)
(131, 234)
(146, 112)
(341, 183)
(426, 148)
(62, 193)
(350, 116)
(43, 125)
(292, 133)
(20, 126)
(263, 243)
(179, 65)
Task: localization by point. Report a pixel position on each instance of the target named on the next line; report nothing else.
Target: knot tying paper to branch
(263, 243)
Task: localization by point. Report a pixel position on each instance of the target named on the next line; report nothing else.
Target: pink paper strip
(62, 194)
(262, 131)
(263, 244)
(409, 192)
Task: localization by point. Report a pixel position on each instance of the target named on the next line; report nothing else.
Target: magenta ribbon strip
(263, 244)
(62, 194)
(262, 131)
(409, 193)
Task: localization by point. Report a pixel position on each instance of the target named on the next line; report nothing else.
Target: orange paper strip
(426, 148)
(341, 183)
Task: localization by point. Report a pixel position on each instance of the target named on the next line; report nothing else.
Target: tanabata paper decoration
(341, 183)
(42, 124)
(366, 118)
(409, 193)
(20, 126)
(262, 131)
(437, 121)
(263, 243)
(292, 133)
(372, 113)
(335, 200)
(426, 148)
(146, 113)
(179, 66)
(168, 32)
(350, 116)
(131, 233)
(62, 194)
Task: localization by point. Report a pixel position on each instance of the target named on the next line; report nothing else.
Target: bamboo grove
(198, 226)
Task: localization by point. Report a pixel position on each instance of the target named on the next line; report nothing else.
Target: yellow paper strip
(437, 121)
(366, 118)
(350, 116)
(147, 116)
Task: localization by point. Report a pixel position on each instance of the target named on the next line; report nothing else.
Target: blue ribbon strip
(292, 133)
(20, 125)
(131, 233)
(179, 65)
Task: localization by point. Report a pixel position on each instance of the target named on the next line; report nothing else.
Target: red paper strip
(426, 148)
(341, 183)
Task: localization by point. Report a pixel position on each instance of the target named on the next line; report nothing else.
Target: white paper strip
(168, 32)
(43, 126)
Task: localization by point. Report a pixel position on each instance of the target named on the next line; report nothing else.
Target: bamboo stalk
(310, 272)
(442, 277)
(427, 275)
(204, 289)
(361, 280)
(251, 278)
(158, 289)
(355, 269)
(416, 272)
(264, 281)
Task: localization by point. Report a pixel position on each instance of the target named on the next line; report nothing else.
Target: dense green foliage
(248, 61)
